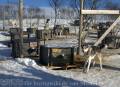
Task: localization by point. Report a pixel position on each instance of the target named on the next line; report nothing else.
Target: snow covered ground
(4, 36)
(24, 72)
(5, 52)
(15, 74)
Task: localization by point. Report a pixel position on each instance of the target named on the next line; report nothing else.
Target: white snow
(2, 45)
(5, 52)
(29, 62)
(114, 60)
(3, 37)
(26, 61)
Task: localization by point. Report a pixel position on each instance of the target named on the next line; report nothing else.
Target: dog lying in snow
(93, 52)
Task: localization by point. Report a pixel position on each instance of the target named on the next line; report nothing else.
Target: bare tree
(31, 14)
(84, 24)
(56, 4)
(66, 13)
(75, 4)
(88, 4)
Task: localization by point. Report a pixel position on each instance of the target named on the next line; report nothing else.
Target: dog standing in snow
(93, 52)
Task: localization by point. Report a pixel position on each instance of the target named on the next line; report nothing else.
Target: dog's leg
(89, 62)
(85, 65)
(100, 59)
(93, 63)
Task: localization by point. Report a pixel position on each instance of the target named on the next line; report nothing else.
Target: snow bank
(30, 62)
(4, 38)
(2, 45)
(26, 61)
(5, 33)
(5, 52)
(15, 69)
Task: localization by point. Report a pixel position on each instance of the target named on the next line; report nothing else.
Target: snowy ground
(26, 73)
(4, 36)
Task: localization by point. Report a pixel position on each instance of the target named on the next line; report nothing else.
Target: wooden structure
(29, 48)
(44, 34)
(107, 31)
(15, 41)
(112, 39)
(96, 12)
(99, 12)
(56, 55)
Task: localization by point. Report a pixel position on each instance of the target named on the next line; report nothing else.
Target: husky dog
(93, 52)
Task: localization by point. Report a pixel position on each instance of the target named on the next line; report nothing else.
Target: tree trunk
(55, 17)
(79, 51)
(21, 26)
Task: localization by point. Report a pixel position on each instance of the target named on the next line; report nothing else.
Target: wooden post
(101, 12)
(107, 32)
(80, 28)
(3, 17)
(21, 26)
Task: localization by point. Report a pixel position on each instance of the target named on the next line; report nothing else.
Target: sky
(42, 3)
(34, 3)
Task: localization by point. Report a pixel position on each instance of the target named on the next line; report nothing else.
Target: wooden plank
(101, 12)
(107, 31)
(65, 67)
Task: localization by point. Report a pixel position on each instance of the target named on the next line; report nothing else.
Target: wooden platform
(65, 67)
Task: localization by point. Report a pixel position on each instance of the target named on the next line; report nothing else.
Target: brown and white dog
(93, 52)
